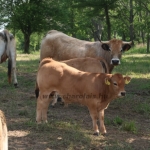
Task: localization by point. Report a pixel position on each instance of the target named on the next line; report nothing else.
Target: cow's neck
(111, 67)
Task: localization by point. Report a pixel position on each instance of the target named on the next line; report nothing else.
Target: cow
(3, 132)
(93, 90)
(60, 46)
(8, 50)
(87, 64)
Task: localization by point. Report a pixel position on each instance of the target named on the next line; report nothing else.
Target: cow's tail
(9, 70)
(36, 90)
(104, 64)
(7, 41)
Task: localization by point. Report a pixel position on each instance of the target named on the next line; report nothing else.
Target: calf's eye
(115, 83)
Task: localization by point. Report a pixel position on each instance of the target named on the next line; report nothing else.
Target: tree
(29, 16)
(101, 8)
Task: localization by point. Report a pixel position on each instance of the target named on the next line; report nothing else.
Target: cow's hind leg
(101, 119)
(13, 66)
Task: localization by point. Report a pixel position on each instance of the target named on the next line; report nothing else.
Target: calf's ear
(105, 47)
(127, 79)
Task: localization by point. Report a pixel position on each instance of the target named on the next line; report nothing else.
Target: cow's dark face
(116, 47)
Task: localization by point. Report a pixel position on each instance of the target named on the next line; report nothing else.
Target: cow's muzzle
(115, 62)
(123, 93)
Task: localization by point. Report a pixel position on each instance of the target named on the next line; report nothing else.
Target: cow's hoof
(96, 134)
(15, 85)
(52, 106)
(62, 103)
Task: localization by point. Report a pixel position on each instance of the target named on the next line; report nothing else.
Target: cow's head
(116, 47)
(117, 83)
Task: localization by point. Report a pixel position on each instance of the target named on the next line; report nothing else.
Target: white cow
(8, 50)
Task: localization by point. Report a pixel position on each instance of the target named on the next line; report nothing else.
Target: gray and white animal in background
(60, 46)
(8, 50)
(3, 132)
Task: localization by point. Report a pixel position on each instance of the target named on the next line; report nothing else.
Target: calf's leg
(101, 120)
(94, 116)
(43, 102)
(55, 97)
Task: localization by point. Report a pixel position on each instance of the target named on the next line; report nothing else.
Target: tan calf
(3, 132)
(93, 90)
(88, 64)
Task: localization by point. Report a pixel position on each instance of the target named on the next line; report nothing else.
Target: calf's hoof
(53, 106)
(96, 134)
(38, 122)
(15, 85)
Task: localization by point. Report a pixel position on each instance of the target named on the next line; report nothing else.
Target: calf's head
(116, 47)
(117, 83)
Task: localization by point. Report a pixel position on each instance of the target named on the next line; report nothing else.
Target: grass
(126, 119)
(130, 126)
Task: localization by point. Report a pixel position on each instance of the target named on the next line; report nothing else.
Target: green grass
(130, 126)
(126, 119)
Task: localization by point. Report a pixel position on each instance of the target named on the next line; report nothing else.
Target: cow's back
(88, 64)
(60, 46)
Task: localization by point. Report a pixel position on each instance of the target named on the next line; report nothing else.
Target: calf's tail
(9, 70)
(36, 90)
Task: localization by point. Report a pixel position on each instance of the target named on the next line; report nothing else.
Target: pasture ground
(127, 119)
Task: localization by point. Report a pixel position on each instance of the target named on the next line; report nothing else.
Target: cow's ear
(127, 79)
(107, 82)
(106, 47)
(126, 47)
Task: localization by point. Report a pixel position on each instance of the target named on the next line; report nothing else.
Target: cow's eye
(115, 83)
(109, 49)
(121, 50)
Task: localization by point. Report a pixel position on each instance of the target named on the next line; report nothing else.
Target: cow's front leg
(101, 120)
(94, 116)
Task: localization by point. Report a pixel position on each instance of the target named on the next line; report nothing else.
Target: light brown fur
(88, 64)
(60, 46)
(89, 89)
(3, 132)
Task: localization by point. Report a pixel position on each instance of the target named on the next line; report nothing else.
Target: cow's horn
(105, 42)
(124, 42)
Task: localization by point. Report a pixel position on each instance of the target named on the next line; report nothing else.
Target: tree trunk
(108, 22)
(26, 43)
(131, 21)
(148, 42)
(96, 29)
